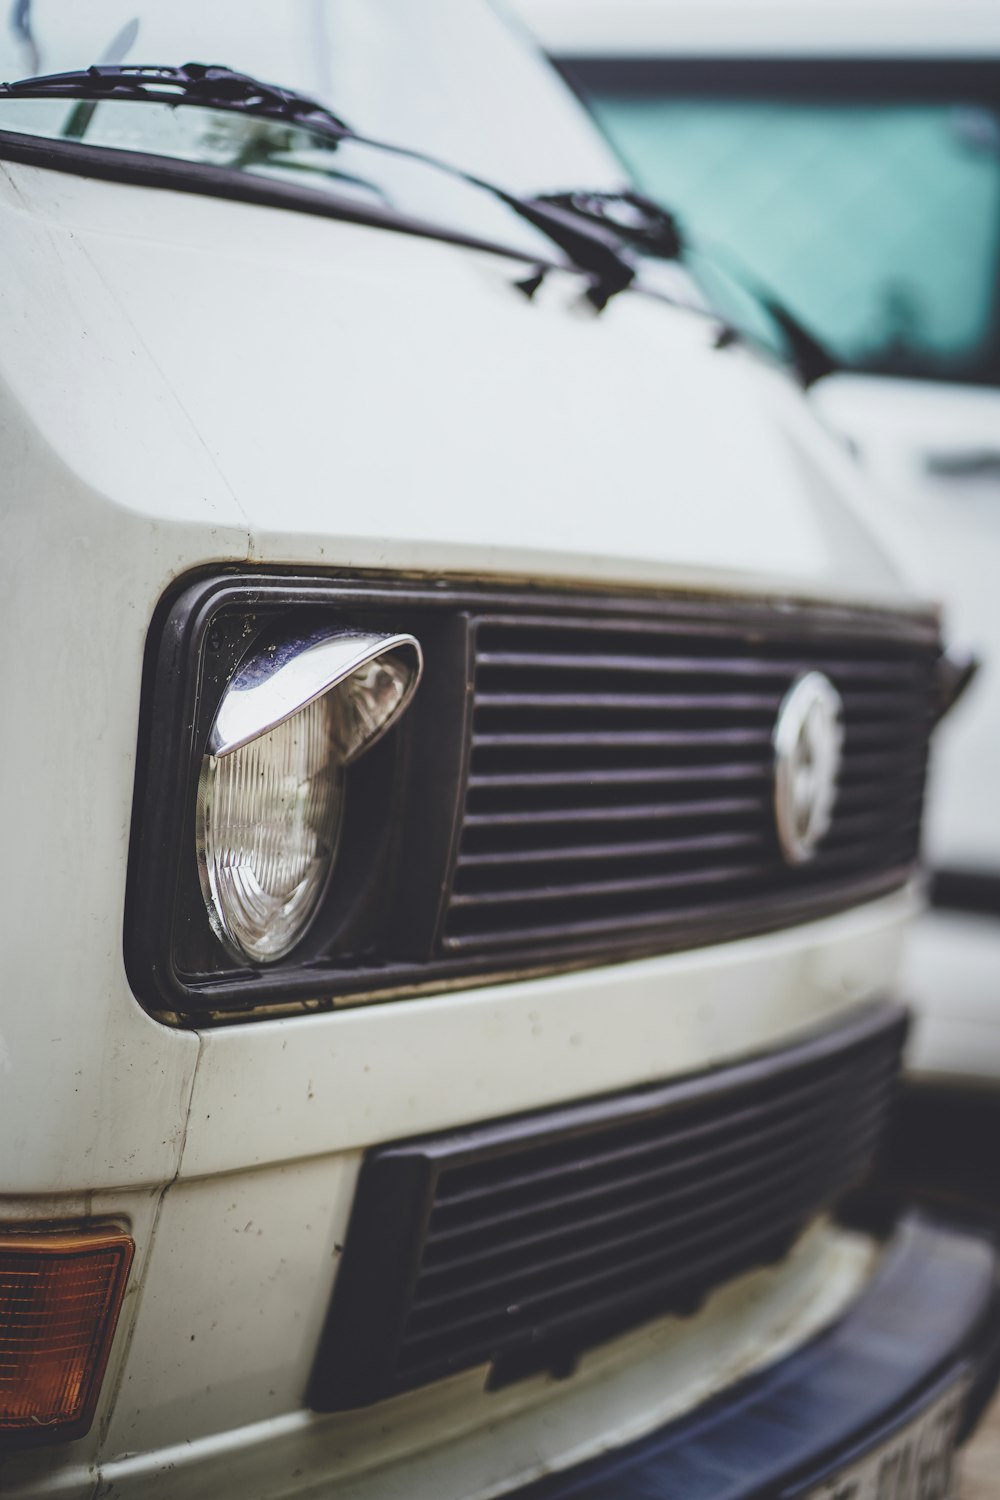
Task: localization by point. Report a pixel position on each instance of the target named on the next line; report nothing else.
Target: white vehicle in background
(462, 775)
(848, 157)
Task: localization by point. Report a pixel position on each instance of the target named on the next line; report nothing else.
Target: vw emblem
(807, 740)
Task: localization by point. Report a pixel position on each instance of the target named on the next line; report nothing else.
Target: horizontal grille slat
(583, 890)
(871, 769)
(624, 739)
(880, 705)
(639, 775)
(780, 668)
(905, 789)
(535, 1237)
(647, 849)
(721, 807)
(556, 702)
(895, 733)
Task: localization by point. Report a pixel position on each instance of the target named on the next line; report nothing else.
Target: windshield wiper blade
(208, 85)
(592, 248)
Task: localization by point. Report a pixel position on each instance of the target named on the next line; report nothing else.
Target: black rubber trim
(145, 169)
(974, 891)
(929, 1317)
(879, 80)
(942, 1148)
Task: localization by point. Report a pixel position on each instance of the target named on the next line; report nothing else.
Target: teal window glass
(877, 223)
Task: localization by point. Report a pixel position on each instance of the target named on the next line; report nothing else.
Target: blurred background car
(848, 158)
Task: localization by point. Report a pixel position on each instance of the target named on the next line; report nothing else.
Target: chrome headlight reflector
(272, 783)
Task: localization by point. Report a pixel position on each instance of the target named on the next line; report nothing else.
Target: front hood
(260, 383)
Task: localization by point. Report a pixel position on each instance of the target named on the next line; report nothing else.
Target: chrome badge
(808, 739)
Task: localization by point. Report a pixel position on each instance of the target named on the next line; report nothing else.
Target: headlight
(271, 791)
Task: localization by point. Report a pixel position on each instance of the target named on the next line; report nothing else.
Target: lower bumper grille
(519, 1243)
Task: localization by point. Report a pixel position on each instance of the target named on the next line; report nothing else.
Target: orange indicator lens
(60, 1296)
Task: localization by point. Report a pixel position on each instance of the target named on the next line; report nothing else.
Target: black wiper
(638, 221)
(650, 229)
(812, 358)
(193, 83)
(592, 248)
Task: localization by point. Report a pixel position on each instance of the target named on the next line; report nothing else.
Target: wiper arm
(650, 229)
(812, 358)
(592, 248)
(636, 220)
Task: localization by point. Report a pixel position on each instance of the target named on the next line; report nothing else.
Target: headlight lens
(269, 815)
(271, 791)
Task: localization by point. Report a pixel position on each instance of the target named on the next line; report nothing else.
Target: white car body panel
(446, 1440)
(346, 1080)
(743, 524)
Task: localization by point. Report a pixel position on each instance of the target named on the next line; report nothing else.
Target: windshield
(869, 195)
(441, 76)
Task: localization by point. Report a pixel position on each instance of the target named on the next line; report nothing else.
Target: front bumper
(929, 1318)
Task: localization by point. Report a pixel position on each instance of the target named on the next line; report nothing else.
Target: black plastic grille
(581, 778)
(620, 780)
(523, 1242)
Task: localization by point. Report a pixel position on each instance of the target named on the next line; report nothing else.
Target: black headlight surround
(385, 929)
(379, 913)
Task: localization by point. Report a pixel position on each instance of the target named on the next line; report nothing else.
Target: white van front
(462, 792)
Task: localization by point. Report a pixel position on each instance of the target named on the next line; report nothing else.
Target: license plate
(917, 1463)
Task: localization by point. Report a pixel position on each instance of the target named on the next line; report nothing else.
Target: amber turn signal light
(60, 1295)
